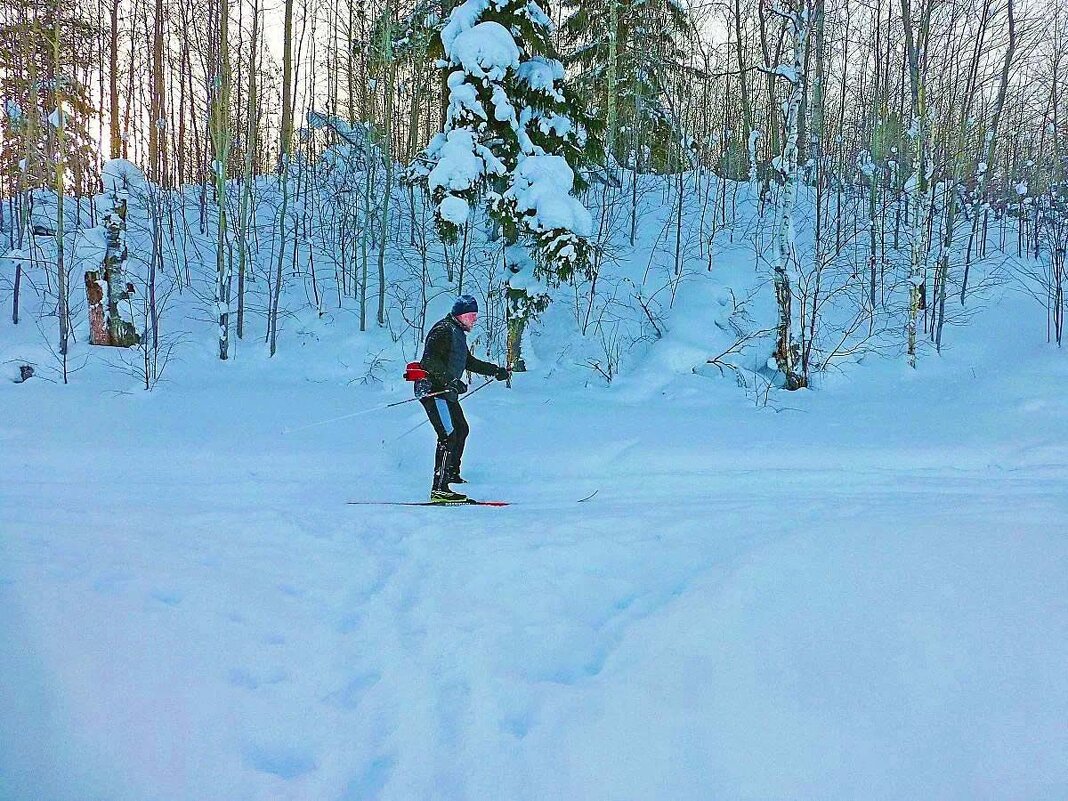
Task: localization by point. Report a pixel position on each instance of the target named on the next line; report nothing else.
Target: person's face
(467, 320)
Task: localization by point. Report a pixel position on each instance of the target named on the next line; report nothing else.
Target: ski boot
(446, 495)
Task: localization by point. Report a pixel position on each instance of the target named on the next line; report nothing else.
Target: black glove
(502, 374)
(458, 386)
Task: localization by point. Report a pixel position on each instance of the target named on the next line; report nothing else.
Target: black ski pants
(451, 427)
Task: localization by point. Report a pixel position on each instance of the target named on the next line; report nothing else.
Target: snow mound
(454, 209)
(486, 51)
(541, 74)
(461, 162)
(120, 175)
(464, 17)
(542, 188)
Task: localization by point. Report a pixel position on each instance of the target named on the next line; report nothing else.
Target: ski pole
(422, 423)
(362, 411)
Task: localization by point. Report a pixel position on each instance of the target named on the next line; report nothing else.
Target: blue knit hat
(464, 304)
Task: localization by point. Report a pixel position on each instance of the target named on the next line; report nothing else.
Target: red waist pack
(414, 372)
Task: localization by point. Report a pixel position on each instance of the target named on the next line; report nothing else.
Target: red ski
(467, 502)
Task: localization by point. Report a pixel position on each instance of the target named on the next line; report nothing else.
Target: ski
(468, 502)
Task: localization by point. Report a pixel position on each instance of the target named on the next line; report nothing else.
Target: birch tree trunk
(917, 188)
(252, 129)
(121, 333)
(220, 134)
(786, 351)
(157, 127)
(743, 86)
(612, 78)
(60, 189)
(285, 143)
(113, 83)
(390, 68)
(286, 139)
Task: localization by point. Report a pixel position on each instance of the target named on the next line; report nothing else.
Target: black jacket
(446, 357)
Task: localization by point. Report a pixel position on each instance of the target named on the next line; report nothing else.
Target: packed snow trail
(749, 607)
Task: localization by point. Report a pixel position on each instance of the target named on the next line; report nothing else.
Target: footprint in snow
(453, 705)
(368, 783)
(575, 668)
(242, 677)
(349, 623)
(112, 583)
(168, 597)
(516, 725)
(349, 696)
(283, 761)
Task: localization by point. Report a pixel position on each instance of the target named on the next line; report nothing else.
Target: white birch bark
(786, 354)
(60, 118)
(252, 128)
(221, 139)
(917, 187)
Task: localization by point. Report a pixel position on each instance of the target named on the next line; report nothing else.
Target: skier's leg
(459, 436)
(442, 460)
(438, 412)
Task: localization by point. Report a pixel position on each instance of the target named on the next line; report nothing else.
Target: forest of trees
(889, 144)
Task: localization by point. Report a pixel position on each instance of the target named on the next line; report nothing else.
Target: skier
(445, 358)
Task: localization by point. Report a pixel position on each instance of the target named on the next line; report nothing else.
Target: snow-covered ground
(854, 593)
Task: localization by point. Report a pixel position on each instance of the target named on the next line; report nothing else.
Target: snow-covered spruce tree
(786, 349)
(623, 50)
(513, 138)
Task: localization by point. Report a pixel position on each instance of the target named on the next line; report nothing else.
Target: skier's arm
(479, 367)
(436, 356)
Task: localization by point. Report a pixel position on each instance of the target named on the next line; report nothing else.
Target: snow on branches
(513, 135)
(540, 198)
